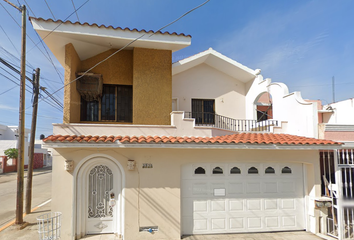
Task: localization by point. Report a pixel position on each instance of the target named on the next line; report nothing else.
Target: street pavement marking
(32, 210)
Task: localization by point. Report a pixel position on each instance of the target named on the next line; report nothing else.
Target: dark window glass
(203, 111)
(252, 170)
(108, 103)
(89, 110)
(116, 105)
(286, 170)
(124, 103)
(269, 170)
(199, 170)
(218, 170)
(235, 170)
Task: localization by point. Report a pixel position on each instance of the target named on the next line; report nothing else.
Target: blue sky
(300, 43)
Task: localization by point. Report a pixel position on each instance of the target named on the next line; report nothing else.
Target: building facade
(153, 150)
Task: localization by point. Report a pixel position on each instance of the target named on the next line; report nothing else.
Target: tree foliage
(11, 153)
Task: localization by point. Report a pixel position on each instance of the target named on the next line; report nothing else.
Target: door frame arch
(81, 187)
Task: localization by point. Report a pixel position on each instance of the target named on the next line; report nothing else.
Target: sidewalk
(30, 231)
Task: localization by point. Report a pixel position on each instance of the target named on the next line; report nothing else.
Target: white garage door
(248, 197)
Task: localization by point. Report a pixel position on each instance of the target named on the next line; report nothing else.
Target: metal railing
(49, 226)
(237, 125)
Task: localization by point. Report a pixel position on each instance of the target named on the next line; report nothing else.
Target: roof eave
(217, 61)
(90, 40)
(118, 144)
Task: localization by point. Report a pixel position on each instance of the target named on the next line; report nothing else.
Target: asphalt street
(41, 192)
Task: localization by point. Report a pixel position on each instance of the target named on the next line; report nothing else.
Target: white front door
(101, 200)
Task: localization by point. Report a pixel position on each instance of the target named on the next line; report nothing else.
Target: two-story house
(154, 150)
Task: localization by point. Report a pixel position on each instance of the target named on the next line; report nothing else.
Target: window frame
(116, 106)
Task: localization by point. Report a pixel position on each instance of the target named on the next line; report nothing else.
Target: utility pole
(21, 125)
(31, 149)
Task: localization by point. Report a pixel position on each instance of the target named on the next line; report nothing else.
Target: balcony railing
(237, 125)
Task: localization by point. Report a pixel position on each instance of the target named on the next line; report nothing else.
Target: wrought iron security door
(100, 197)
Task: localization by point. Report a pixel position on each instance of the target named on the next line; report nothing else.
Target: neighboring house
(45, 153)
(9, 138)
(124, 164)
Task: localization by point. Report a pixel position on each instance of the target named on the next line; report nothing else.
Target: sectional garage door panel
(242, 202)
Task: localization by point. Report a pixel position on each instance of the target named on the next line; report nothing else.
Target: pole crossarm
(18, 8)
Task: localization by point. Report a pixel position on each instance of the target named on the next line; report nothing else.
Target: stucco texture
(147, 70)
(152, 196)
(152, 86)
(71, 112)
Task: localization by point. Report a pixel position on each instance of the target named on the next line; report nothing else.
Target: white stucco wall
(343, 112)
(206, 82)
(301, 116)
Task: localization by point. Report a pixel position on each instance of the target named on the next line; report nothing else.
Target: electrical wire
(28, 64)
(10, 40)
(36, 45)
(8, 90)
(49, 95)
(49, 9)
(30, 8)
(42, 39)
(75, 10)
(10, 15)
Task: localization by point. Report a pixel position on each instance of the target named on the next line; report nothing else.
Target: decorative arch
(263, 106)
(81, 187)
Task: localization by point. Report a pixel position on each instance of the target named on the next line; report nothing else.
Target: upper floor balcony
(226, 123)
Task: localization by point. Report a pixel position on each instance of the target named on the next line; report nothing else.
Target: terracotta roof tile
(107, 27)
(240, 138)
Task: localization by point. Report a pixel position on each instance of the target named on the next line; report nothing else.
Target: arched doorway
(98, 191)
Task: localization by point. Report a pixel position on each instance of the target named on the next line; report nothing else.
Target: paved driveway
(298, 235)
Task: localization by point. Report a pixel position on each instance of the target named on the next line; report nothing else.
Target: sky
(304, 44)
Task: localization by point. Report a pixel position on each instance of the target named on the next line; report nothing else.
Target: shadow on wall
(163, 212)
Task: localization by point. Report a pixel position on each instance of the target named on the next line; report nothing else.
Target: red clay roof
(240, 138)
(104, 26)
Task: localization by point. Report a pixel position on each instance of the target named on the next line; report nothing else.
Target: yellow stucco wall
(152, 86)
(71, 96)
(152, 197)
(148, 70)
(118, 69)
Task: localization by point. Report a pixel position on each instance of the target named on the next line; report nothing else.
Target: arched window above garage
(286, 170)
(269, 170)
(218, 170)
(252, 170)
(199, 170)
(235, 170)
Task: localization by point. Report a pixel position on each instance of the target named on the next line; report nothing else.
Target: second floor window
(115, 105)
(203, 110)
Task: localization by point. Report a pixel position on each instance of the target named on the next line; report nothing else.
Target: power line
(51, 60)
(75, 10)
(43, 89)
(58, 26)
(30, 8)
(8, 90)
(49, 9)
(36, 45)
(10, 40)
(11, 15)
(28, 64)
